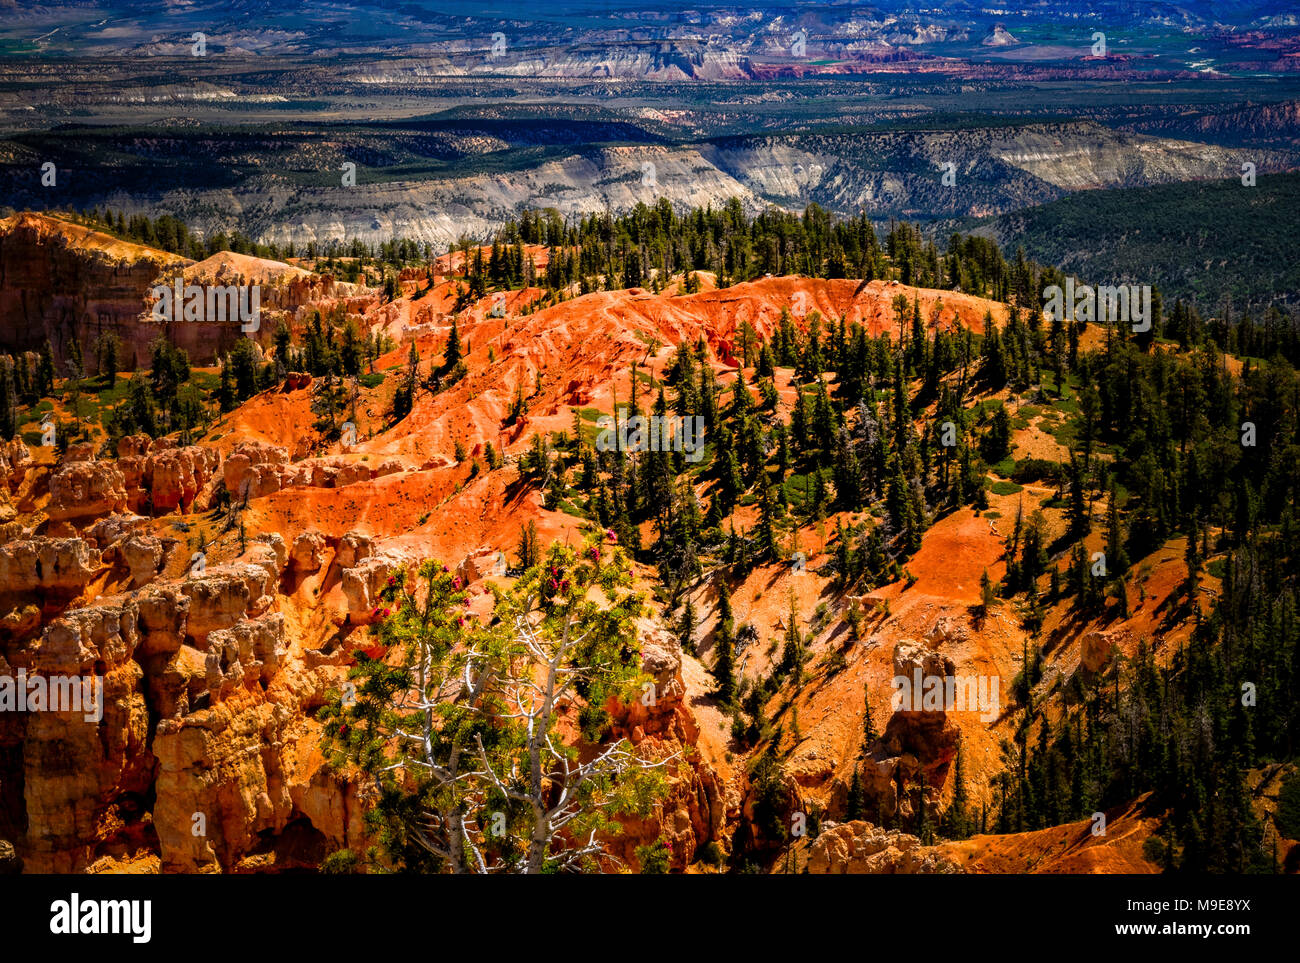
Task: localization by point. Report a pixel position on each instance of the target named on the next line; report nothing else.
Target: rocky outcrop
(307, 554)
(353, 548)
(62, 282)
(143, 555)
(14, 461)
(867, 604)
(481, 564)
(239, 772)
(232, 755)
(86, 489)
(860, 847)
(268, 551)
(220, 598)
(162, 613)
(362, 584)
(82, 776)
(108, 531)
(21, 621)
(946, 631)
(61, 566)
(1098, 648)
(920, 740)
(193, 677)
(999, 36)
(254, 469)
(9, 861)
(166, 477)
(661, 726)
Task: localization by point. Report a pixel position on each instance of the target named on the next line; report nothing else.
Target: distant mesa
(998, 36)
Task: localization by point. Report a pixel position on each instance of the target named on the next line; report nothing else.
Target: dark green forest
(1224, 247)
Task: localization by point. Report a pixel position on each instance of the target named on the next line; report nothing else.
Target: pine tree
(108, 358)
(8, 401)
(956, 819)
(527, 551)
(1192, 556)
(766, 530)
(854, 806)
(226, 387)
(686, 628)
(725, 616)
(451, 354)
(988, 595)
(75, 364)
(1080, 520)
(45, 371)
(438, 806)
(723, 669)
(1116, 557)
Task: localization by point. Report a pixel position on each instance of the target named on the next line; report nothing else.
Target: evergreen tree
(855, 804)
(686, 628)
(1116, 557)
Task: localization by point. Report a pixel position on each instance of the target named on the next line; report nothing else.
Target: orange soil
(1071, 848)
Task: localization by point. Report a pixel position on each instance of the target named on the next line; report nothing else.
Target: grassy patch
(798, 490)
(1020, 420)
(1035, 469)
(1067, 404)
(1005, 467)
(569, 508)
(114, 395)
(1004, 487)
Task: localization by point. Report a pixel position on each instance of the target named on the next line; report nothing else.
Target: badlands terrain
(215, 675)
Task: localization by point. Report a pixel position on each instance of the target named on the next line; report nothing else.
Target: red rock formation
(62, 281)
(167, 477)
(661, 726)
(859, 847)
(86, 489)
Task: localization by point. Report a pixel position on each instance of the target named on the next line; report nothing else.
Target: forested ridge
(1188, 432)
